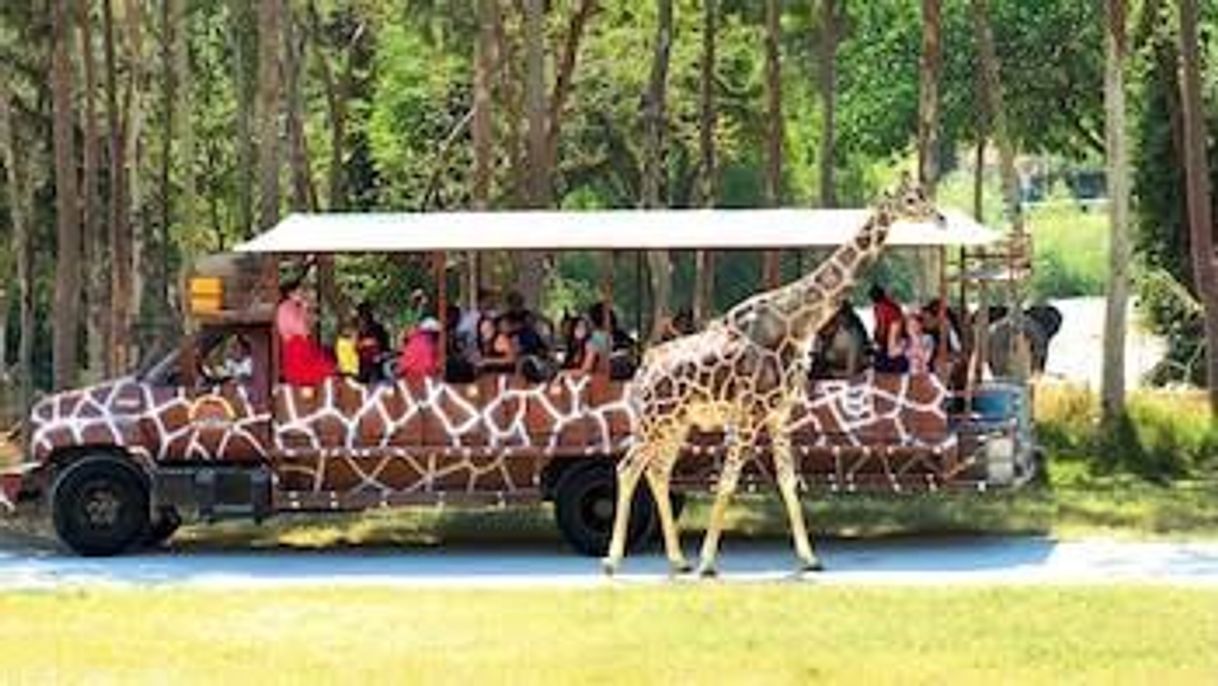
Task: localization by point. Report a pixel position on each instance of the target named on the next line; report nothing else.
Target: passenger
(893, 354)
(501, 354)
(346, 349)
(887, 316)
(467, 328)
(239, 359)
(420, 356)
(304, 361)
(919, 346)
(620, 339)
(931, 324)
(372, 344)
(583, 355)
(416, 309)
(528, 340)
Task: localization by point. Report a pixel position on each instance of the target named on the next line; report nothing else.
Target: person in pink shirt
(304, 362)
(420, 356)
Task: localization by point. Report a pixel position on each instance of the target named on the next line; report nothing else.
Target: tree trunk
(531, 266)
(996, 116)
(483, 133)
(304, 196)
(1113, 379)
(827, 68)
(241, 19)
(188, 218)
(1197, 183)
(270, 32)
(18, 204)
(67, 208)
(928, 96)
(771, 275)
(563, 78)
(336, 102)
(659, 266)
(159, 268)
(94, 239)
(134, 156)
(118, 229)
(704, 274)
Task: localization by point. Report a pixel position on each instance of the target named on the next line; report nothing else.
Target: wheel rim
(100, 506)
(596, 508)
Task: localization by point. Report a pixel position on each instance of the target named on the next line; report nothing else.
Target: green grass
(695, 633)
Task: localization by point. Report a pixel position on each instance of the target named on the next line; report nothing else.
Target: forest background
(138, 135)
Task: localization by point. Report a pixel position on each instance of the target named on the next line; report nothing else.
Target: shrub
(1164, 435)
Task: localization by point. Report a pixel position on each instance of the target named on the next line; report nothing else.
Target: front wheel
(585, 502)
(100, 506)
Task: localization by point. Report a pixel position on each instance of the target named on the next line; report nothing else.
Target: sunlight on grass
(689, 633)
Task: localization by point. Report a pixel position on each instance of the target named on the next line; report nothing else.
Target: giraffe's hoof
(680, 567)
(608, 567)
(708, 572)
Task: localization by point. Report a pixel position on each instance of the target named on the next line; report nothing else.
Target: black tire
(162, 527)
(100, 506)
(585, 502)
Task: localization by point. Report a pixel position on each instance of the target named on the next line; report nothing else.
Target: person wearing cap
(420, 356)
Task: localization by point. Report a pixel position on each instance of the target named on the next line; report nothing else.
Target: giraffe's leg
(658, 476)
(784, 468)
(628, 472)
(732, 465)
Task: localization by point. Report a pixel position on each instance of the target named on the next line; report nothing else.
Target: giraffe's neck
(811, 301)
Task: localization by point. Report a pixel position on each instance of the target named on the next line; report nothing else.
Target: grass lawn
(701, 633)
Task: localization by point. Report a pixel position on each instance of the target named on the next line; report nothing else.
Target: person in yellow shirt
(345, 349)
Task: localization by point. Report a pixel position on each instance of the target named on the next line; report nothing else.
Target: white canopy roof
(597, 230)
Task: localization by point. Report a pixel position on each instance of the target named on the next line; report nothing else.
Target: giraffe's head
(906, 202)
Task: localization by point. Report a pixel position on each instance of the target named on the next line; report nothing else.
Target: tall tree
(67, 210)
(531, 267)
(930, 68)
(304, 195)
(185, 125)
(134, 156)
(118, 233)
(15, 165)
(771, 274)
(830, 26)
(94, 238)
(482, 132)
(1197, 184)
(270, 40)
(995, 107)
(704, 274)
(1112, 390)
(659, 266)
(241, 25)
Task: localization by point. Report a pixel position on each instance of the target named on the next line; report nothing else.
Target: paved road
(915, 562)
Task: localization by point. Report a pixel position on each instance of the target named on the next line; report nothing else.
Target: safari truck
(121, 464)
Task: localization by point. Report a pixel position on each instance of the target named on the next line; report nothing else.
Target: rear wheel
(100, 506)
(585, 502)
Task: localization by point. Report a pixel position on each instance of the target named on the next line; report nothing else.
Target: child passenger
(346, 349)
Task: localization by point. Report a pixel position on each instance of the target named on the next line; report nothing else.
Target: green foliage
(1162, 236)
(1164, 435)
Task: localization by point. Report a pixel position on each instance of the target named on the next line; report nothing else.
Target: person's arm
(591, 358)
(893, 346)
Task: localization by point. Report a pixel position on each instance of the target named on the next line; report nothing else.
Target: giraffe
(744, 373)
